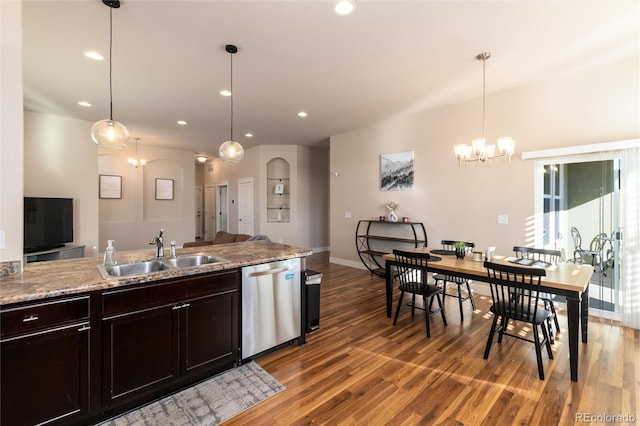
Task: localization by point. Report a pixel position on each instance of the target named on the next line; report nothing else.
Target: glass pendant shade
(109, 134)
(231, 152)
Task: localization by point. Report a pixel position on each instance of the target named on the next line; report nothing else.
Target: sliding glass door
(579, 199)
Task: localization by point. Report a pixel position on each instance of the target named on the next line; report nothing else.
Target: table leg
(584, 307)
(573, 319)
(388, 278)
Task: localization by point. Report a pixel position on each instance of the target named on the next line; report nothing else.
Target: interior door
(209, 212)
(245, 206)
(199, 212)
(222, 208)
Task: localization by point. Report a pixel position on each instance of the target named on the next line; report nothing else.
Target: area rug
(207, 403)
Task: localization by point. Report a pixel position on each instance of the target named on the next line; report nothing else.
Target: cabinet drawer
(129, 299)
(28, 318)
(213, 283)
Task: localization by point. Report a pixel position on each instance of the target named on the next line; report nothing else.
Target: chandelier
(479, 150)
(135, 162)
(231, 151)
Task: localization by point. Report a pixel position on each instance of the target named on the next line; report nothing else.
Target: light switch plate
(503, 219)
(347, 214)
(1, 239)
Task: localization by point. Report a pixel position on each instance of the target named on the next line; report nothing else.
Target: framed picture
(164, 189)
(396, 171)
(110, 186)
(279, 188)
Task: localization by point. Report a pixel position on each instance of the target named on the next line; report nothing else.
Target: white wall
(11, 204)
(595, 105)
(61, 160)
(137, 217)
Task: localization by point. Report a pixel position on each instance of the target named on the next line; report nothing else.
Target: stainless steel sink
(193, 260)
(157, 265)
(137, 268)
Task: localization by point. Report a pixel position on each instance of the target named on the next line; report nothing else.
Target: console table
(66, 252)
(375, 238)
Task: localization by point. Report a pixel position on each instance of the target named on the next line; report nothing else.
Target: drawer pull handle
(84, 328)
(30, 318)
(176, 307)
(185, 305)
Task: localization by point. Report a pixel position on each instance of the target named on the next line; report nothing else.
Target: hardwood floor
(360, 369)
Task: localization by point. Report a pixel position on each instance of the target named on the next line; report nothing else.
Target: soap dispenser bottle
(110, 254)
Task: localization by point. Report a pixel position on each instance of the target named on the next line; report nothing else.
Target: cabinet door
(45, 376)
(140, 353)
(210, 332)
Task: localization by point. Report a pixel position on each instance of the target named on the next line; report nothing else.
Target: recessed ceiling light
(344, 7)
(94, 55)
(201, 158)
(225, 93)
(302, 114)
(248, 135)
(84, 103)
(181, 122)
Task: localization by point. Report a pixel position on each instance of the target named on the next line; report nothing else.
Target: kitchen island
(78, 347)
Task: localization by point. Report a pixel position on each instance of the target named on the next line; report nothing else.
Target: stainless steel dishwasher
(270, 305)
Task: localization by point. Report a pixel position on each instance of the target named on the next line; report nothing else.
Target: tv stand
(68, 251)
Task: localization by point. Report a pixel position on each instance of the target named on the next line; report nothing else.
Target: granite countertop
(41, 280)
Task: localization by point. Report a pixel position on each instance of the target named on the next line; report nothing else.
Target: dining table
(570, 280)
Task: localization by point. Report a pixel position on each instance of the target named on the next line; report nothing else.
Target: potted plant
(461, 249)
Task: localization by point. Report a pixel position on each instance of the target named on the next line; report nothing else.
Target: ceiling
(347, 72)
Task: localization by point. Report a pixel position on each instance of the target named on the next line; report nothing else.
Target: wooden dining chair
(411, 272)
(551, 257)
(441, 279)
(514, 290)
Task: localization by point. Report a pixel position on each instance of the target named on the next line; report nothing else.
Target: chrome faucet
(159, 242)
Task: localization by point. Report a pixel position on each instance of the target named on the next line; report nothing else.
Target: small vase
(460, 253)
(393, 217)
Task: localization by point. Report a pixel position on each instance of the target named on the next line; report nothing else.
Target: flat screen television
(48, 223)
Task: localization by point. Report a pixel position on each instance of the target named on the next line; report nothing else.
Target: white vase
(393, 217)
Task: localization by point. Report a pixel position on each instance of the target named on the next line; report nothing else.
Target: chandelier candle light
(110, 133)
(479, 151)
(135, 162)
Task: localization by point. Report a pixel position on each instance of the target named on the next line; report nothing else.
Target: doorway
(222, 208)
(580, 205)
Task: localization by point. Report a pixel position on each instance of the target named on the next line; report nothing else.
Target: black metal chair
(411, 272)
(550, 257)
(579, 252)
(449, 245)
(514, 290)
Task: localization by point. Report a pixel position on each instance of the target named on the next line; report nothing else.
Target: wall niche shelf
(375, 238)
(278, 191)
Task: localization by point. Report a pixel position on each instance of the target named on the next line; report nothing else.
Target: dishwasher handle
(267, 272)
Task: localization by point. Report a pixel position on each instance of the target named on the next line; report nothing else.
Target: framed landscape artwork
(396, 171)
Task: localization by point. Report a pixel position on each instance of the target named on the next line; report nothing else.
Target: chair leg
(547, 342)
(555, 316)
(441, 304)
(536, 339)
(460, 303)
(503, 327)
(491, 333)
(413, 304)
(427, 316)
(395, 319)
(473, 302)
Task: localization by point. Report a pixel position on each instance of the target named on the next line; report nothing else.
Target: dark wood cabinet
(60, 365)
(158, 336)
(44, 362)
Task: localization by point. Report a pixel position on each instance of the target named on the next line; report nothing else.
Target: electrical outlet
(1, 239)
(347, 214)
(503, 219)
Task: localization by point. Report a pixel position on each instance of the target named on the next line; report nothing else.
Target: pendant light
(110, 133)
(231, 151)
(478, 150)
